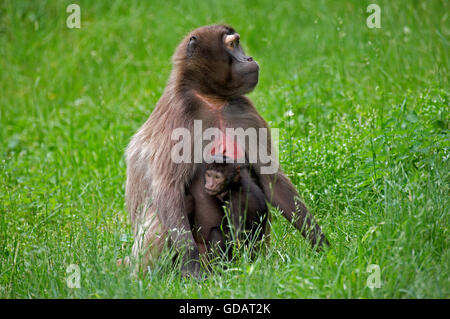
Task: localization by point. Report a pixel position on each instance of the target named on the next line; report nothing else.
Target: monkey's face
(215, 182)
(244, 70)
(213, 62)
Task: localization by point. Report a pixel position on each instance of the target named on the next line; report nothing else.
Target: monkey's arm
(254, 194)
(257, 211)
(208, 215)
(280, 192)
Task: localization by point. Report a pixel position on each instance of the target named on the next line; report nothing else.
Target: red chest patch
(227, 146)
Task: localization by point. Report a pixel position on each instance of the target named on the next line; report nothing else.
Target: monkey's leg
(182, 240)
(208, 215)
(217, 241)
(154, 228)
(148, 242)
(238, 214)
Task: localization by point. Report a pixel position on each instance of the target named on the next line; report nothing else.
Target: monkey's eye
(234, 44)
(231, 41)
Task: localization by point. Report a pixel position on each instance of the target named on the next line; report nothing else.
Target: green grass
(367, 145)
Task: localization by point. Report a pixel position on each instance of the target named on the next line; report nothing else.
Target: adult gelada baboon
(208, 81)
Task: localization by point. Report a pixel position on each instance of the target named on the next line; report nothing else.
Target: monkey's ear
(191, 46)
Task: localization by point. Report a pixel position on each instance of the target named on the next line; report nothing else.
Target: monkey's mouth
(210, 191)
(253, 77)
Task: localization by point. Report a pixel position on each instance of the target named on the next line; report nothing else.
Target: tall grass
(364, 115)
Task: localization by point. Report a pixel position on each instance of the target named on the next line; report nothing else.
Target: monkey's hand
(282, 194)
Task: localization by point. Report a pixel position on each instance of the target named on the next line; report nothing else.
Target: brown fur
(203, 86)
(238, 192)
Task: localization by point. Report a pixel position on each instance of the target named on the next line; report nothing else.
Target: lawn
(364, 120)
